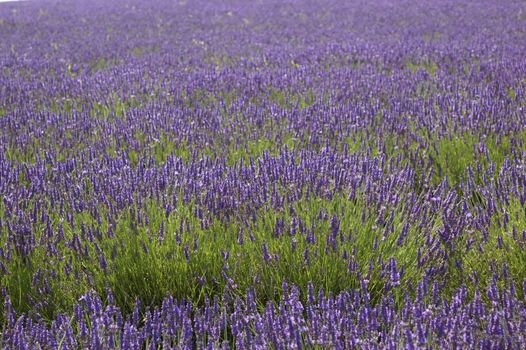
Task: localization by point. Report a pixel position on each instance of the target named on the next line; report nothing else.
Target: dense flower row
(342, 321)
(346, 176)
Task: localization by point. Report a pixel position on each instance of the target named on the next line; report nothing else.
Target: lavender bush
(286, 175)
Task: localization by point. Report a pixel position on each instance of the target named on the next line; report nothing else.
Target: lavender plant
(262, 175)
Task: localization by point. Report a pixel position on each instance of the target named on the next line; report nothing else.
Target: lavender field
(263, 174)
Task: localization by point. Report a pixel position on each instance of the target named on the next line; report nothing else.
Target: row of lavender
(345, 176)
(344, 321)
(450, 243)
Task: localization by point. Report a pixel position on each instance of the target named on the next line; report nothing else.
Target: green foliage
(497, 250)
(176, 254)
